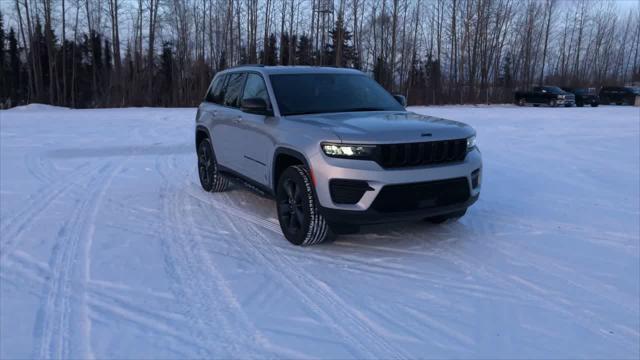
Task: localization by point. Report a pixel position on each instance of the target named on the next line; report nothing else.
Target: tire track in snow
(68, 282)
(340, 316)
(204, 294)
(42, 172)
(106, 300)
(15, 226)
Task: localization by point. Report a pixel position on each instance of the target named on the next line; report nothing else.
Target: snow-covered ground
(110, 249)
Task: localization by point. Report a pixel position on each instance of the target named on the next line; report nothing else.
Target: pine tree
(339, 52)
(222, 63)
(303, 51)
(269, 55)
(3, 64)
(15, 87)
(417, 84)
(433, 76)
(284, 49)
(381, 72)
(108, 59)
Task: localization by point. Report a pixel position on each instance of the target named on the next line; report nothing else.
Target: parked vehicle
(334, 149)
(619, 95)
(548, 95)
(584, 96)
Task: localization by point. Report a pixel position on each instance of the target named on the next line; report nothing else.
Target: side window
(255, 88)
(234, 89)
(216, 90)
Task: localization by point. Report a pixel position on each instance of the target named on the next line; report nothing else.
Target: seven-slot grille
(423, 153)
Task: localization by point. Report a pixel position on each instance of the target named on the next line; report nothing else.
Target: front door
(256, 130)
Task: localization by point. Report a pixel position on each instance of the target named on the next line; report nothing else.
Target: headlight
(561, 96)
(349, 151)
(471, 142)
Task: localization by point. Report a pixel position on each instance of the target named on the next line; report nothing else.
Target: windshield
(326, 93)
(553, 90)
(635, 90)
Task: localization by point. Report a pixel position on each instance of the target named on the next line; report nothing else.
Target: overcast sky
(7, 8)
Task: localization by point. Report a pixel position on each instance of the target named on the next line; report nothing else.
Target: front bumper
(325, 169)
(371, 216)
(566, 102)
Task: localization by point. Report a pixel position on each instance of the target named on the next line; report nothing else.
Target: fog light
(475, 178)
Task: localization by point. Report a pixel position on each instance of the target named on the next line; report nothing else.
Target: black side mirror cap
(255, 106)
(401, 99)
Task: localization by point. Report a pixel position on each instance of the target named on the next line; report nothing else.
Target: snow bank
(37, 107)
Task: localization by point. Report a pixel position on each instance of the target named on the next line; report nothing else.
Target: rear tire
(444, 217)
(297, 208)
(210, 177)
(522, 102)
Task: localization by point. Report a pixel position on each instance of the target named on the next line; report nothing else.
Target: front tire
(553, 103)
(522, 102)
(210, 178)
(297, 208)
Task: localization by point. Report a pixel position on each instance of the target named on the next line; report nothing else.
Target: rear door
(539, 95)
(227, 133)
(213, 113)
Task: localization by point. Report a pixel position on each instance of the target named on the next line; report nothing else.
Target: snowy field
(110, 249)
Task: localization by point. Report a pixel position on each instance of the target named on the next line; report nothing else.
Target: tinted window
(234, 89)
(553, 89)
(633, 90)
(255, 88)
(325, 93)
(216, 93)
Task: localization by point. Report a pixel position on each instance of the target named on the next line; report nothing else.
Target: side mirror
(255, 106)
(401, 99)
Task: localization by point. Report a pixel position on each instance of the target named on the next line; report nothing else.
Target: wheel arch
(283, 157)
(201, 133)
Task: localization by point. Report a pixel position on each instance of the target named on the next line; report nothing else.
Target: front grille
(345, 191)
(424, 153)
(425, 195)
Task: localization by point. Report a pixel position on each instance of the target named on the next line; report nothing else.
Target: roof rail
(247, 65)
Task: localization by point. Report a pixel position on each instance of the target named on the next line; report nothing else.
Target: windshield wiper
(363, 109)
(336, 111)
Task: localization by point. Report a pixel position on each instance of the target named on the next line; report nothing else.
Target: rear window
(234, 89)
(216, 92)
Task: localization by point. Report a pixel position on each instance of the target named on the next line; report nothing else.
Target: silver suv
(334, 149)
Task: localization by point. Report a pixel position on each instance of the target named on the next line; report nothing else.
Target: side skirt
(256, 187)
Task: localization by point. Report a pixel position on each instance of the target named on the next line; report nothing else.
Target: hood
(387, 127)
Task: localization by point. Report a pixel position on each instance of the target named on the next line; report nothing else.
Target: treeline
(106, 53)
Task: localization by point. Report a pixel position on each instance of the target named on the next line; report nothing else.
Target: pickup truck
(547, 95)
(620, 95)
(584, 96)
